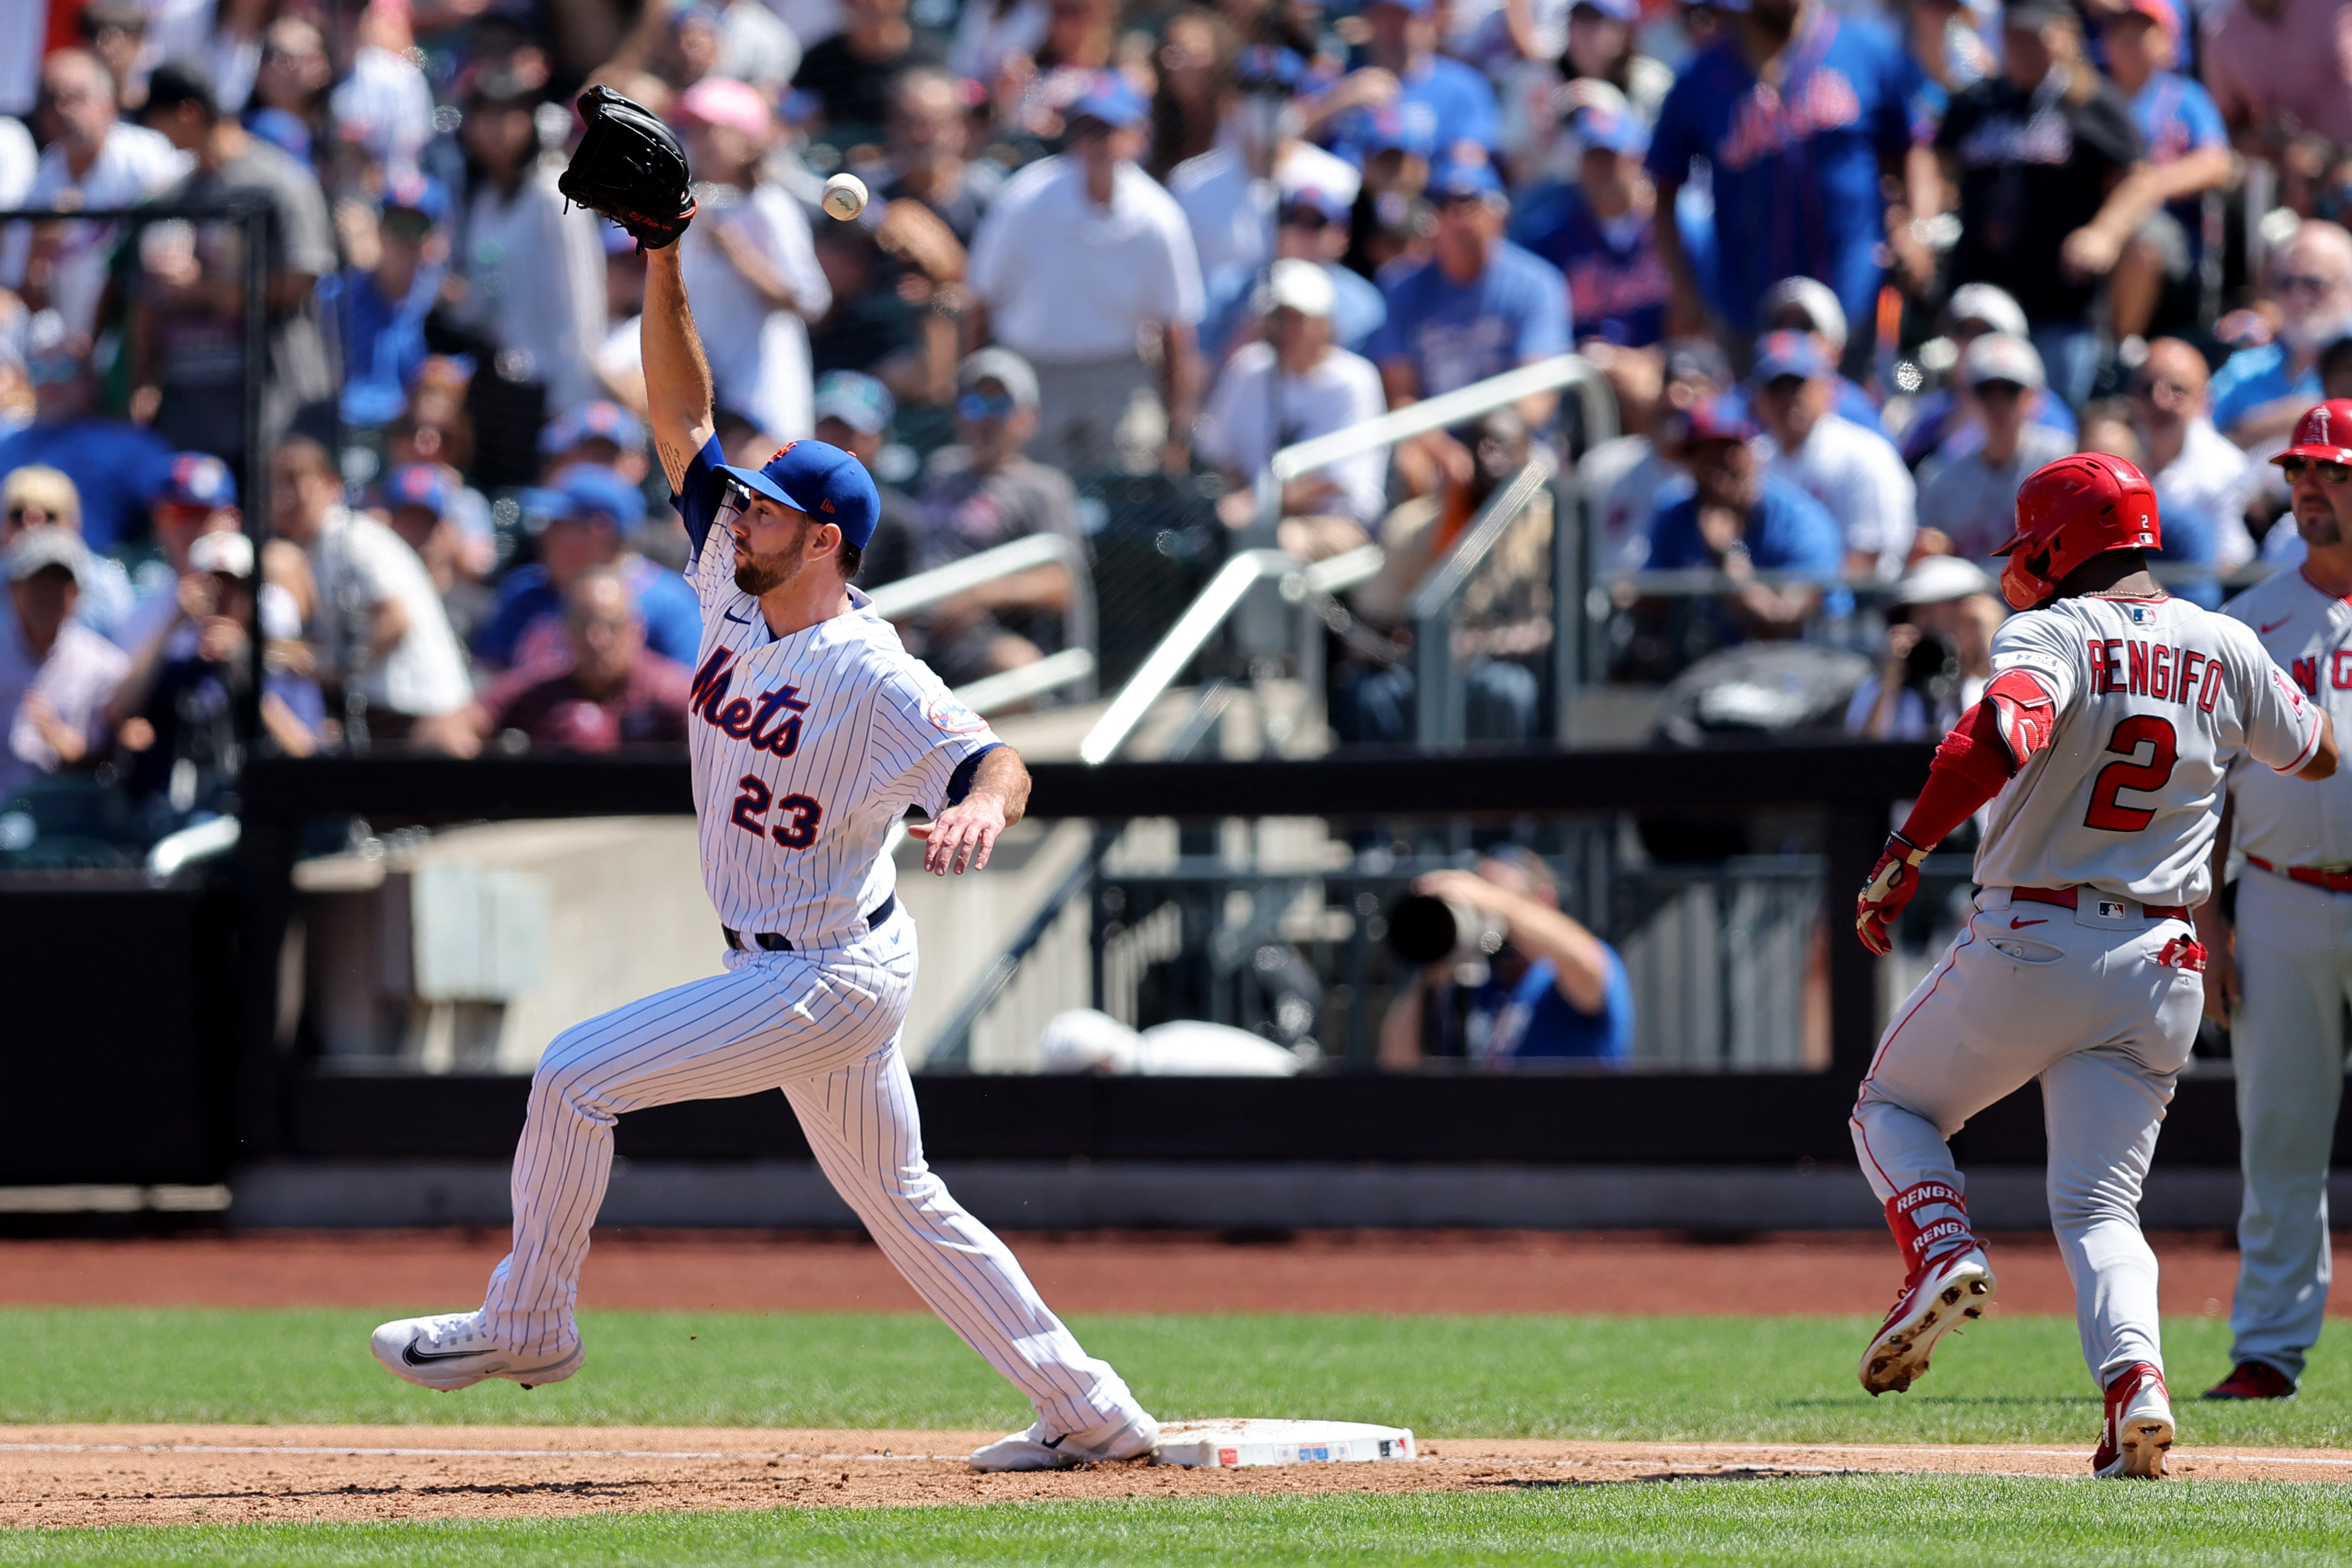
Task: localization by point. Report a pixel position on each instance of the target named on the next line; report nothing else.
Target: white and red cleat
(1945, 1292)
(2139, 1428)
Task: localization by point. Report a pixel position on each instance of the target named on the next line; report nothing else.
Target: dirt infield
(1366, 1271)
(230, 1475)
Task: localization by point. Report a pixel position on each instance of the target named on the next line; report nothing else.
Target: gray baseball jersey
(806, 748)
(2308, 633)
(2155, 699)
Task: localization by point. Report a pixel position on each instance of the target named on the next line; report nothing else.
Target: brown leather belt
(2065, 898)
(776, 942)
(2310, 876)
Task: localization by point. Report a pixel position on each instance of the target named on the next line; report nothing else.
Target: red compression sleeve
(1970, 766)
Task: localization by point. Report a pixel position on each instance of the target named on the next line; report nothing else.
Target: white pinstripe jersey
(806, 748)
(2308, 633)
(2155, 699)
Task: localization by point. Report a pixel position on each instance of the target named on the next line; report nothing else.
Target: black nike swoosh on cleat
(1054, 1442)
(415, 1357)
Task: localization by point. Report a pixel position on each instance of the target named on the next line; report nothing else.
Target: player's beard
(2321, 528)
(764, 574)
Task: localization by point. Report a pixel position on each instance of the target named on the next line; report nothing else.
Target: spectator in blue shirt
(1401, 70)
(1600, 235)
(115, 466)
(584, 520)
(1740, 520)
(1554, 991)
(2263, 389)
(377, 308)
(2187, 152)
(1479, 306)
(1798, 111)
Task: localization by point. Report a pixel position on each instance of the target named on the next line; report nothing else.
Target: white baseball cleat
(454, 1350)
(1039, 1449)
(1942, 1296)
(2139, 1426)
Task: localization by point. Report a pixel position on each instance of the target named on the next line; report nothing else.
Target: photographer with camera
(1937, 656)
(1550, 988)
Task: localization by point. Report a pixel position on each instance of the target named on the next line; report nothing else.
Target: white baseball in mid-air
(845, 196)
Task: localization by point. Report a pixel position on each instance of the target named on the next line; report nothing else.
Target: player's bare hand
(961, 836)
(1462, 887)
(1892, 883)
(2222, 990)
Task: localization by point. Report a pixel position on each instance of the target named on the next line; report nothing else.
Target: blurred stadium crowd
(1851, 270)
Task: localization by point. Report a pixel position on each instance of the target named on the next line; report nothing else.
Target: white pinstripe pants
(823, 1027)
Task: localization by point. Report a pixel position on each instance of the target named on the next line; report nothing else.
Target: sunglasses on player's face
(2294, 469)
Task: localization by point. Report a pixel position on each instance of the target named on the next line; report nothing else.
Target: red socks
(1929, 1220)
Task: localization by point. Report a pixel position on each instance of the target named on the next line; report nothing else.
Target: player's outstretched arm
(678, 378)
(968, 828)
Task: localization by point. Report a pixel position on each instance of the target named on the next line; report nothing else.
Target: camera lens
(1423, 929)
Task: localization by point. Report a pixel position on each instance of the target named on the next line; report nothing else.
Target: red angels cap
(2324, 432)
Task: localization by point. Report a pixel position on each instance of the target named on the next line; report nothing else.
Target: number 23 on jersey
(798, 815)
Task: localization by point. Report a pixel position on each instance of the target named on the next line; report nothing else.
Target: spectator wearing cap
(853, 412)
(1479, 306)
(1230, 193)
(419, 503)
(1741, 519)
(1798, 112)
(533, 270)
(189, 367)
(1599, 234)
(1851, 471)
(2192, 465)
(584, 519)
(1600, 48)
(38, 497)
(1402, 72)
(983, 492)
(377, 304)
(177, 704)
(1313, 225)
(2187, 152)
(1808, 305)
(2050, 184)
(2190, 538)
(55, 675)
(1290, 386)
(1080, 256)
(198, 499)
(608, 691)
(1635, 476)
(380, 637)
(849, 73)
(2262, 389)
(1971, 501)
(1945, 420)
(602, 432)
(749, 261)
(2278, 70)
(1937, 655)
(114, 465)
(90, 159)
(116, 32)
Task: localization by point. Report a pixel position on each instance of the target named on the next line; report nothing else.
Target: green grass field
(2017, 1379)
(1985, 1522)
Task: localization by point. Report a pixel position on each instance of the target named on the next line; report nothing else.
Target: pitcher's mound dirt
(232, 1475)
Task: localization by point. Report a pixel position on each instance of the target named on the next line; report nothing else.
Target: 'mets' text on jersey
(2155, 699)
(2308, 633)
(805, 748)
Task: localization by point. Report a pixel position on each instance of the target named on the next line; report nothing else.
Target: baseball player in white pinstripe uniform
(2102, 743)
(811, 731)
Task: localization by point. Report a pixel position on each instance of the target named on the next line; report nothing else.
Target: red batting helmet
(2069, 511)
(2323, 432)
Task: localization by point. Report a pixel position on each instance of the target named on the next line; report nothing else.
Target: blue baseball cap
(594, 490)
(1263, 68)
(409, 191)
(1788, 353)
(1452, 180)
(1613, 132)
(418, 485)
(1393, 128)
(1626, 11)
(855, 399)
(828, 483)
(197, 479)
(1721, 418)
(1111, 99)
(591, 422)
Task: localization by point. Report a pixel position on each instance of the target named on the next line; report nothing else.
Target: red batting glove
(1892, 883)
